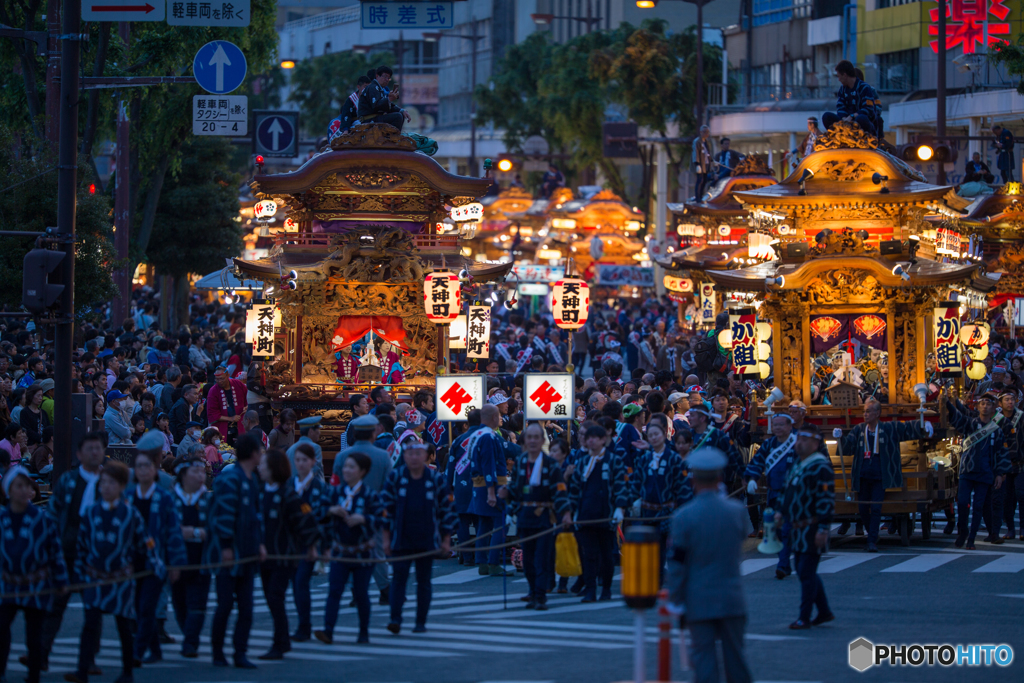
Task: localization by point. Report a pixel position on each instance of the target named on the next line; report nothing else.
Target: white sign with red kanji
(458, 394)
(549, 396)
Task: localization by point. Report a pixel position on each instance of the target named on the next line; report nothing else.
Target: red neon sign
(965, 24)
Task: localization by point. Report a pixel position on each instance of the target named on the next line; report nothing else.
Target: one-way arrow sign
(123, 10)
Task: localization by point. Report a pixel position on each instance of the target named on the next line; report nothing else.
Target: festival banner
(549, 396)
(615, 276)
(708, 305)
(478, 332)
(869, 329)
(743, 324)
(260, 329)
(947, 339)
(827, 331)
(459, 394)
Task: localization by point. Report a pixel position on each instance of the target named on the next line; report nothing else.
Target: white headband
(11, 475)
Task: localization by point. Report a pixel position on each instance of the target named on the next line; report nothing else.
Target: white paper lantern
(457, 333)
(265, 208)
(570, 303)
(478, 332)
(259, 329)
(442, 297)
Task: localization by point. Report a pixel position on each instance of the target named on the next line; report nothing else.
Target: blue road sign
(219, 67)
(276, 134)
(418, 14)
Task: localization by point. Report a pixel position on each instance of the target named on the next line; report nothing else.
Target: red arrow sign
(147, 8)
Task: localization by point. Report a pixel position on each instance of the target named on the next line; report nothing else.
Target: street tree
(321, 84)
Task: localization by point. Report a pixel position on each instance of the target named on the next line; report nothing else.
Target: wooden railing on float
(306, 238)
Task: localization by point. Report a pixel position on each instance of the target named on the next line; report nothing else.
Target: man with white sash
(1004, 501)
(489, 471)
(460, 483)
(706, 435)
(984, 461)
(557, 352)
(807, 507)
(774, 459)
(875, 447)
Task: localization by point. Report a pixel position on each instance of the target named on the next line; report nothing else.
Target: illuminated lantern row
(570, 303)
(678, 284)
(265, 208)
(442, 296)
(259, 328)
(470, 213)
(947, 339)
(747, 340)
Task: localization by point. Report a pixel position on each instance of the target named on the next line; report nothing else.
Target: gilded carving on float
(373, 135)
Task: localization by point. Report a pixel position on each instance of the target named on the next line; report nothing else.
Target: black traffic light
(37, 294)
(928, 149)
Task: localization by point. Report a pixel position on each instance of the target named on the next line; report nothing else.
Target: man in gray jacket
(704, 549)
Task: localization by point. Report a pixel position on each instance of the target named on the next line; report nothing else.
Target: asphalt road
(927, 593)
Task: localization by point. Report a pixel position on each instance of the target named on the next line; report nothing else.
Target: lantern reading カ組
(442, 297)
(742, 324)
(570, 303)
(478, 332)
(259, 329)
(947, 339)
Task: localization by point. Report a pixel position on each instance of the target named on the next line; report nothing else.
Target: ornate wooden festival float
(851, 214)
(367, 212)
(574, 223)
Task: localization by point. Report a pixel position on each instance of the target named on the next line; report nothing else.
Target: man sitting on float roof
(855, 101)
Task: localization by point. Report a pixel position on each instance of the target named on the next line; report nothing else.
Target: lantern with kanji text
(570, 303)
(442, 297)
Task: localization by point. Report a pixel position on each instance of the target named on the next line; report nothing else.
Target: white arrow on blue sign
(219, 67)
(275, 133)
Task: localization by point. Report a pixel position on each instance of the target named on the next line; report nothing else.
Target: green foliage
(28, 188)
(321, 84)
(197, 223)
(1011, 55)
(563, 92)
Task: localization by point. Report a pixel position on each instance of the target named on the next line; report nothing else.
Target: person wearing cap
(706, 435)
(660, 481)
(681, 403)
(234, 529)
(629, 439)
(226, 403)
(460, 482)
(598, 489)
(46, 406)
(1004, 501)
(192, 437)
(875, 449)
(798, 411)
(994, 384)
(489, 470)
(538, 498)
(361, 431)
(156, 507)
(705, 547)
(119, 432)
(288, 528)
(309, 428)
(420, 518)
(774, 459)
(32, 564)
(190, 592)
(807, 507)
(984, 461)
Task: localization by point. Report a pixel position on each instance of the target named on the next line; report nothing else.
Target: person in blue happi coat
(774, 459)
(984, 461)
(156, 506)
(1004, 501)
(598, 490)
(707, 435)
(538, 499)
(288, 529)
(561, 452)
(190, 592)
(629, 438)
(234, 531)
(660, 480)
(314, 493)
(356, 516)
(32, 568)
(460, 483)
(421, 518)
(489, 470)
(111, 536)
(73, 494)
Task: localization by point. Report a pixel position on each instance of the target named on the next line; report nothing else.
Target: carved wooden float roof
(923, 273)
(603, 209)
(372, 160)
(843, 163)
(1004, 209)
(312, 265)
(511, 202)
(711, 256)
(750, 174)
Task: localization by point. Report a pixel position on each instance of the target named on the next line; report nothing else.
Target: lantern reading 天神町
(259, 329)
(478, 337)
(442, 297)
(570, 303)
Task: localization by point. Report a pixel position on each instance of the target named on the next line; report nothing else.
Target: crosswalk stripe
(844, 561)
(589, 607)
(1007, 564)
(922, 563)
(461, 576)
(465, 636)
(751, 566)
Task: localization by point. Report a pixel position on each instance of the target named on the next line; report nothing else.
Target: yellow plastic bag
(567, 555)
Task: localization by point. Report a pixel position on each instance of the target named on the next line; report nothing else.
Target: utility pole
(52, 71)
(472, 106)
(67, 181)
(940, 90)
(122, 199)
(700, 64)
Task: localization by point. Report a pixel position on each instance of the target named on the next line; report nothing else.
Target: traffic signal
(37, 294)
(928, 149)
(505, 165)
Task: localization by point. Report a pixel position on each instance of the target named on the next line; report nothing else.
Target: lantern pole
(569, 366)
